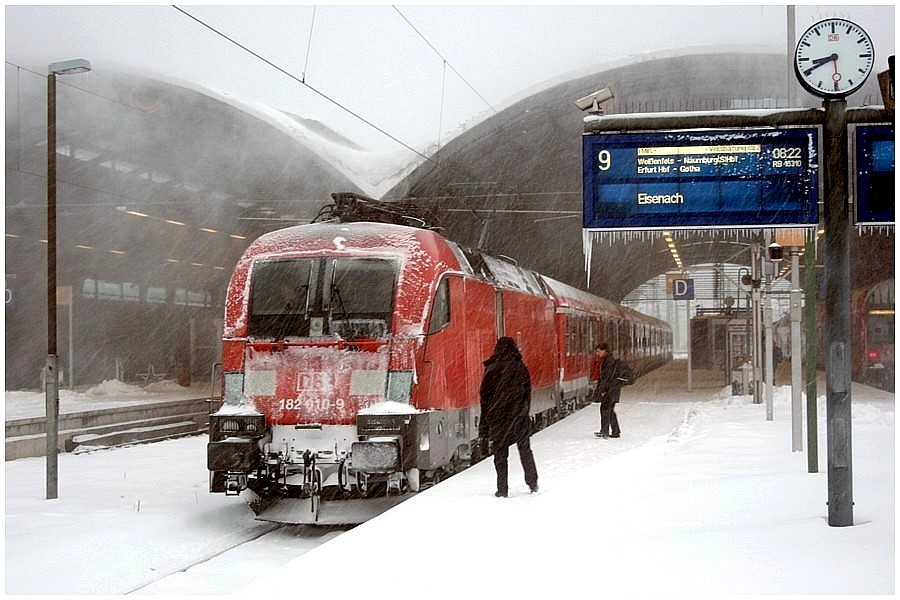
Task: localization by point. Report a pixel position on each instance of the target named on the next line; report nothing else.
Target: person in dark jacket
(611, 374)
(505, 402)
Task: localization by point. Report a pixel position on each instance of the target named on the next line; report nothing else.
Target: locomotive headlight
(399, 386)
(234, 388)
(378, 455)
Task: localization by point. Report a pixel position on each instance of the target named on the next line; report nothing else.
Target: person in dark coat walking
(611, 374)
(505, 402)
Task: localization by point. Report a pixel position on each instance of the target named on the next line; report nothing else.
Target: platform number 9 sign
(603, 159)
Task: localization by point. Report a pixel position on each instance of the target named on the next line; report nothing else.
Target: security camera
(592, 102)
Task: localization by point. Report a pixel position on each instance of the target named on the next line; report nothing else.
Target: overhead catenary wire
(309, 43)
(446, 62)
(303, 83)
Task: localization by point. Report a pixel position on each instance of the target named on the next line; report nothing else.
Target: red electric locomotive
(352, 358)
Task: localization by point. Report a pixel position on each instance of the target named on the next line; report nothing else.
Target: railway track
(109, 427)
(215, 572)
(269, 528)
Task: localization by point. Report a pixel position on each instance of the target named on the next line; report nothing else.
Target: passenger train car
(871, 335)
(352, 359)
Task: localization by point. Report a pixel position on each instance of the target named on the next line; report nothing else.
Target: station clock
(833, 58)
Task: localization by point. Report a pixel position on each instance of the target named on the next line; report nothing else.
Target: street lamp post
(51, 372)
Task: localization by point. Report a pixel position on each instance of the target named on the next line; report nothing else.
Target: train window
(531, 282)
(476, 263)
(131, 292)
(577, 336)
(281, 298)
(462, 258)
(360, 297)
(880, 329)
(185, 297)
(108, 290)
(440, 309)
(585, 336)
(156, 295)
(354, 296)
(503, 272)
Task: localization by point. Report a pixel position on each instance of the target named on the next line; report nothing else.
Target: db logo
(834, 37)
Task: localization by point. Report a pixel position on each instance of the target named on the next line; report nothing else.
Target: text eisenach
(675, 198)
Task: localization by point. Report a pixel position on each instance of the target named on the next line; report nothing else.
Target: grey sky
(372, 61)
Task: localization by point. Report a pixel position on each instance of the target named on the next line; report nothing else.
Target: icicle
(587, 248)
(875, 228)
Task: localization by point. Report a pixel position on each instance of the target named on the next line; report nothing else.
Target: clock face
(833, 58)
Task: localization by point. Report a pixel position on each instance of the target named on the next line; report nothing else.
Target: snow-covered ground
(700, 495)
(109, 394)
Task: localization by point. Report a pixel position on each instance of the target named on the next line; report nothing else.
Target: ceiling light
(209, 230)
(136, 213)
(174, 222)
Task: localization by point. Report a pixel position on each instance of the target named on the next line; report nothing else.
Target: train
(871, 335)
(352, 358)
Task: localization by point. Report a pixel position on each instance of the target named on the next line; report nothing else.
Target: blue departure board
(698, 179)
(874, 174)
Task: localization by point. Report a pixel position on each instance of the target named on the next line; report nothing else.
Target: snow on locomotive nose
(320, 345)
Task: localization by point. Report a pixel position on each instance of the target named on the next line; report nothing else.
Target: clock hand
(818, 62)
(836, 77)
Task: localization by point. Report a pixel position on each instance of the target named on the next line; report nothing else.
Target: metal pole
(71, 341)
(52, 377)
(757, 322)
(791, 45)
(796, 374)
(687, 314)
(769, 354)
(837, 316)
(812, 407)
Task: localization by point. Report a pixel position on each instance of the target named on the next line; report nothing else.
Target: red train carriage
(584, 320)
(873, 309)
(352, 358)
(871, 335)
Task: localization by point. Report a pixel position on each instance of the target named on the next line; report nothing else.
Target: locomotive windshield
(313, 297)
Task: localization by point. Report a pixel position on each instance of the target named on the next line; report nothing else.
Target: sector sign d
(699, 179)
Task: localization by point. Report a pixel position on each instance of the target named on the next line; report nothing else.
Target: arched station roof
(513, 184)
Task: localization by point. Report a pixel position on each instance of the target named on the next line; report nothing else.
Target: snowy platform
(700, 495)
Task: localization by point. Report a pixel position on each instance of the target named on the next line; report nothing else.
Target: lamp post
(51, 372)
